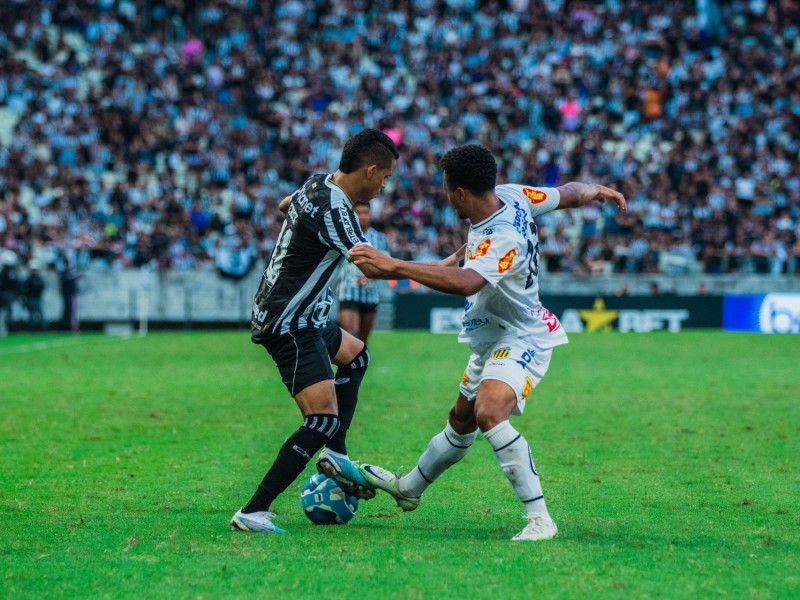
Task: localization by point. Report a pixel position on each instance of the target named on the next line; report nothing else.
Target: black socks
(292, 458)
(348, 381)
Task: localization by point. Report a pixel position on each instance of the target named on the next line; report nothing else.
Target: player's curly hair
(471, 167)
(368, 147)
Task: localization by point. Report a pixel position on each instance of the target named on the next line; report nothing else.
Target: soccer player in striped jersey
(511, 335)
(290, 319)
(358, 294)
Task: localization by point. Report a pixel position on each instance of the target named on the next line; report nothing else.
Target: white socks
(514, 456)
(511, 449)
(443, 451)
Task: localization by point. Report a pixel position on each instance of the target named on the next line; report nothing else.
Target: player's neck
(347, 184)
(484, 206)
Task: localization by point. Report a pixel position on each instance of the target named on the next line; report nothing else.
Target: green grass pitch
(669, 461)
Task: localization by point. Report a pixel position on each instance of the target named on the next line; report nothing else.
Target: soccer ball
(324, 502)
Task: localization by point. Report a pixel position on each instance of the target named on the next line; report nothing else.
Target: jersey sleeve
(495, 255)
(539, 200)
(341, 231)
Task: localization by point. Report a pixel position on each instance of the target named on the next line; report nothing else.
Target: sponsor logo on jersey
(308, 207)
(349, 231)
(550, 319)
(481, 250)
(474, 324)
(468, 305)
(526, 389)
(505, 263)
(520, 218)
(464, 379)
(488, 231)
(535, 196)
(501, 352)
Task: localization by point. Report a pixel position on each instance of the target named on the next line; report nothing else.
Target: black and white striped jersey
(319, 230)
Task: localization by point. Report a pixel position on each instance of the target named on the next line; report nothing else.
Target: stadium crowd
(164, 133)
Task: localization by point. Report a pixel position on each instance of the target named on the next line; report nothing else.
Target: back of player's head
(471, 167)
(368, 147)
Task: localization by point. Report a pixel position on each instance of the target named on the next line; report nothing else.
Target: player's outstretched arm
(575, 194)
(453, 260)
(447, 279)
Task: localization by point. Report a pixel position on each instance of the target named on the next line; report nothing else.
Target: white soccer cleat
(258, 522)
(539, 527)
(388, 482)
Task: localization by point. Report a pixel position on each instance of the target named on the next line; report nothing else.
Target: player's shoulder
(500, 227)
(315, 188)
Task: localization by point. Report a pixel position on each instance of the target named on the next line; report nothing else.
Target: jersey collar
(330, 183)
(490, 217)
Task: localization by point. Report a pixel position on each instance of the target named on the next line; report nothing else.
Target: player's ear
(371, 170)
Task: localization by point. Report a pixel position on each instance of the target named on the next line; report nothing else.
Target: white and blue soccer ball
(325, 503)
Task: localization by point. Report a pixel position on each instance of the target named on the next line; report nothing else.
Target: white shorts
(511, 361)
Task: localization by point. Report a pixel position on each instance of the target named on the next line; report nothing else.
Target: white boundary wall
(185, 297)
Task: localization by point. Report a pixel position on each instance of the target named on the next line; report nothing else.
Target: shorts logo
(464, 379)
(501, 353)
(481, 250)
(526, 389)
(505, 263)
(535, 196)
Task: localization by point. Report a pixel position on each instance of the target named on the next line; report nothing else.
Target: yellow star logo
(598, 318)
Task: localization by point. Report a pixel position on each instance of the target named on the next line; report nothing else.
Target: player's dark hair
(471, 167)
(368, 147)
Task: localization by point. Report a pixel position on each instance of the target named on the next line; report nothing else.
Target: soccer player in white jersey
(511, 335)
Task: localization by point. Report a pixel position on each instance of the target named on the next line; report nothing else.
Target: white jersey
(504, 249)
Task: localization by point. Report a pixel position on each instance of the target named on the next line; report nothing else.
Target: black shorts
(361, 308)
(304, 357)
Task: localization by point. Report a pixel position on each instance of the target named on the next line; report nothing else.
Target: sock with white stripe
(514, 455)
(348, 381)
(444, 450)
(316, 431)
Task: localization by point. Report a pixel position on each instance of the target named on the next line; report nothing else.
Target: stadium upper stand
(138, 132)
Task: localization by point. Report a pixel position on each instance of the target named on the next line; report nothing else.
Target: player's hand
(372, 262)
(607, 194)
(284, 205)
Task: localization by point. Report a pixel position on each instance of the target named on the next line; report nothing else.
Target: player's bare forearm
(450, 280)
(576, 194)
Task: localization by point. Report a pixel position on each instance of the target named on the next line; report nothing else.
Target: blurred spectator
(9, 289)
(32, 290)
(69, 295)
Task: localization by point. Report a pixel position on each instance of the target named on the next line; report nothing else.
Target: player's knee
(462, 422)
(487, 417)
(361, 360)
